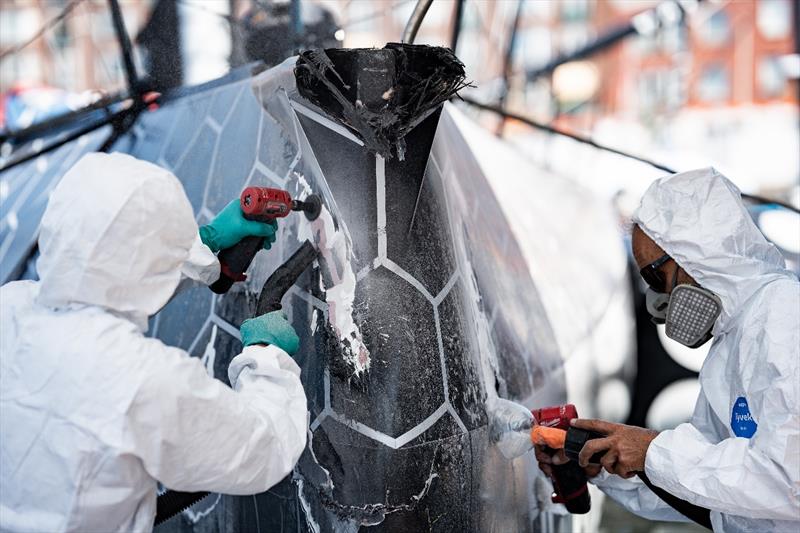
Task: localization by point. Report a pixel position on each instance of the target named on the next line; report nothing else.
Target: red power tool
(569, 480)
(263, 204)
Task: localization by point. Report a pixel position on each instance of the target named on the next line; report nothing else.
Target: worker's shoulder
(776, 302)
(118, 349)
(16, 293)
(770, 326)
(161, 362)
(135, 344)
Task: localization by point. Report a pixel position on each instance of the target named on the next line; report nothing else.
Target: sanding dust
(336, 252)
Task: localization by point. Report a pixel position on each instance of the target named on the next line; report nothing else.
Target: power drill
(569, 479)
(263, 204)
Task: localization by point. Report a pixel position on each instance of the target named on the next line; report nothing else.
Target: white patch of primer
(426, 487)
(314, 317)
(335, 249)
(312, 524)
(490, 368)
(210, 354)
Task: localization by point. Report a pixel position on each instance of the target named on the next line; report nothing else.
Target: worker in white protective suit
(93, 412)
(713, 274)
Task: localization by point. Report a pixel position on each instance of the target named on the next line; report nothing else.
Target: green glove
(229, 227)
(272, 328)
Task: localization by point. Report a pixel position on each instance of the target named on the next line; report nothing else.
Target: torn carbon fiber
(380, 94)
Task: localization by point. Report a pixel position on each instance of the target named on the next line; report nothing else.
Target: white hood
(115, 234)
(698, 218)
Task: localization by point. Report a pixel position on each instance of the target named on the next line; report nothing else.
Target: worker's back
(65, 384)
(92, 410)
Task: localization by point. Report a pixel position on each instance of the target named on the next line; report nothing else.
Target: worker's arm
(755, 478)
(194, 433)
(632, 494)
(759, 476)
(636, 497)
(201, 266)
(228, 228)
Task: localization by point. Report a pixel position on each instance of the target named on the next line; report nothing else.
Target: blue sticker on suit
(742, 422)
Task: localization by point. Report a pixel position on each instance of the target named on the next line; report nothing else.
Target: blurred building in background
(719, 87)
(63, 54)
(78, 50)
(732, 53)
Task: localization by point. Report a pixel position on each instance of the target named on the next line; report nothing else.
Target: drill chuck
(311, 206)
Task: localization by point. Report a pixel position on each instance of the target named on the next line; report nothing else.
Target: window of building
(533, 47)
(470, 50)
(66, 68)
(716, 31)
(539, 11)
(108, 69)
(673, 38)
(62, 37)
(771, 77)
(670, 40)
(471, 20)
(102, 27)
(676, 89)
(714, 85)
(661, 90)
(774, 18)
(647, 86)
(574, 10)
(17, 25)
(572, 37)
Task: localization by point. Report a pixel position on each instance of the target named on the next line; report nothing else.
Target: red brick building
(729, 54)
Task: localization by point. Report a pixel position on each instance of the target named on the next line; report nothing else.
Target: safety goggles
(653, 276)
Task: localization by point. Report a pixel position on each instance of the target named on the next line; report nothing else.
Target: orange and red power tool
(569, 479)
(263, 204)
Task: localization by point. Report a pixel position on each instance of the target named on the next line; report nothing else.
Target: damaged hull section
(419, 310)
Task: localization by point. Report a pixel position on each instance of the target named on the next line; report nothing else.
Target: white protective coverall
(93, 412)
(740, 454)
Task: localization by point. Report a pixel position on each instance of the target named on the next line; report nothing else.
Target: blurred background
(681, 84)
(699, 83)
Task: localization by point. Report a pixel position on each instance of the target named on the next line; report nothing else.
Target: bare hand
(626, 446)
(547, 457)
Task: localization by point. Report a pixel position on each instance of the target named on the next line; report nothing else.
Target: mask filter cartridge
(691, 314)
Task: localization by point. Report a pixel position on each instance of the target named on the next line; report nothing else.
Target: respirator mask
(688, 312)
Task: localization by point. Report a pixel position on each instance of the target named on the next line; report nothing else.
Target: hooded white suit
(93, 412)
(740, 454)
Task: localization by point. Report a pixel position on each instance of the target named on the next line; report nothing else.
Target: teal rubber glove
(272, 328)
(229, 227)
